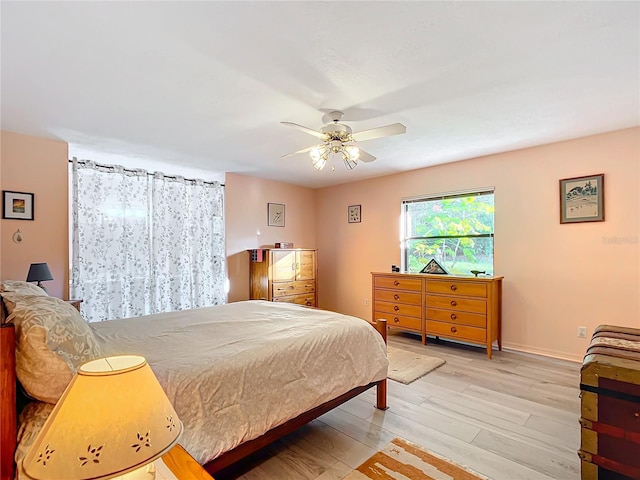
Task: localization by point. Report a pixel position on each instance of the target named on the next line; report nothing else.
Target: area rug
(405, 367)
(402, 460)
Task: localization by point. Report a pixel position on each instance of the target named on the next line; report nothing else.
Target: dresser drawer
(459, 318)
(457, 304)
(398, 308)
(411, 323)
(398, 296)
(301, 299)
(400, 283)
(453, 330)
(292, 288)
(451, 287)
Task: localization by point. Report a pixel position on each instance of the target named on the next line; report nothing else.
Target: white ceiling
(205, 85)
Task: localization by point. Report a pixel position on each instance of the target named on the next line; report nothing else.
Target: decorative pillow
(25, 288)
(52, 341)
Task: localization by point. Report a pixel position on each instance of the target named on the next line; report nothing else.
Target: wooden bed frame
(8, 408)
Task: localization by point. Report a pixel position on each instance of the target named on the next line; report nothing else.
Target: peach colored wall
(39, 166)
(556, 277)
(246, 201)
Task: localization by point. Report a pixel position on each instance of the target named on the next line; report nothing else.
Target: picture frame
(354, 213)
(582, 199)
(434, 268)
(275, 214)
(17, 205)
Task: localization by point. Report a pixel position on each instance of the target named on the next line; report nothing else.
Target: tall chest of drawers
(467, 309)
(285, 275)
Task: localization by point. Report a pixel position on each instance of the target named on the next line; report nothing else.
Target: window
(454, 229)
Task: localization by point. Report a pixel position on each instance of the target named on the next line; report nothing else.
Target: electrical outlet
(366, 301)
(582, 332)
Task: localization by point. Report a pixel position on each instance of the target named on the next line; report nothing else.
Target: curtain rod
(130, 170)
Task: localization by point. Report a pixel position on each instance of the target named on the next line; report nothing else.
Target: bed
(239, 375)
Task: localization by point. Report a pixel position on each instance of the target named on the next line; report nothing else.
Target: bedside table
(183, 466)
(75, 303)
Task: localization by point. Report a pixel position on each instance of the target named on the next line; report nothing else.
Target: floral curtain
(144, 244)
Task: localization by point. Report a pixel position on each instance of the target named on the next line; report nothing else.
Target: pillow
(52, 341)
(25, 288)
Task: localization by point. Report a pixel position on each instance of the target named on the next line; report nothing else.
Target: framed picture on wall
(17, 205)
(275, 214)
(582, 199)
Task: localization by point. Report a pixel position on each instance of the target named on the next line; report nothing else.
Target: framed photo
(582, 199)
(354, 213)
(434, 267)
(275, 214)
(17, 205)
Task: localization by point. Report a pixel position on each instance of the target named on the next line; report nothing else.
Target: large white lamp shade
(113, 418)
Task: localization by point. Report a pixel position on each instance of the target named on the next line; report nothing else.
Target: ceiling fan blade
(304, 150)
(304, 129)
(386, 131)
(366, 157)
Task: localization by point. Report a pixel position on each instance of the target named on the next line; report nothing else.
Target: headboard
(8, 408)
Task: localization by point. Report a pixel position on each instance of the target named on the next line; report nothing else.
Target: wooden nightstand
(75, 303)
(183, 466)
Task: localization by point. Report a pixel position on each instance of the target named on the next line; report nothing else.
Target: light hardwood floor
(513, 417)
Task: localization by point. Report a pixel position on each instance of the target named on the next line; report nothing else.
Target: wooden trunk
(610, 405)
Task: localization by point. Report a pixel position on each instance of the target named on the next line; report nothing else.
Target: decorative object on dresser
(285, 275)
(468, 309)
(610, 405)
(275, 214)
(17, 205)
(582, 199)
(434, 267)
(127, 422)
(283, 245)
(39, 272)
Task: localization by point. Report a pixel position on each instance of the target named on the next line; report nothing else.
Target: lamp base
(39, 284)
(147, 472)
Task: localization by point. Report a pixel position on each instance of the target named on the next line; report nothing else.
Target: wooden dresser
(468, 309)
(285, 275)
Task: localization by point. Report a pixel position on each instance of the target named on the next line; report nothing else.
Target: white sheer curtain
(144, 244)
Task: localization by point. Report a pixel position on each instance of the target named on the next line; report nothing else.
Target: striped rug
(401, 460)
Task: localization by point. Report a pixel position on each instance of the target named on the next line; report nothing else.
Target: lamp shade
(39, 272)
(113, 418)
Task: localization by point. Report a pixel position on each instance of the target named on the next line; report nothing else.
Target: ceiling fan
(338, 139)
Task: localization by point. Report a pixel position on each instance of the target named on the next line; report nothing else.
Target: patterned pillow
(52, 341)
(25, 288)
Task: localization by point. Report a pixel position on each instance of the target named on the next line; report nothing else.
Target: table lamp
(39, 272)
(112, 421)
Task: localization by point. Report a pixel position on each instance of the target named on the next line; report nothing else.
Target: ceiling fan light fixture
(352, 151)
(319, 157)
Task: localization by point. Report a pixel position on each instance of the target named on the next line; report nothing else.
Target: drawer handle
(396, 297)
(454, 303)
(396, 319)
(453, 316)
(396, 283)
(453, 288)
(454, 329)
(396, 308)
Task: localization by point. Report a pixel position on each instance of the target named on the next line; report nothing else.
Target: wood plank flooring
(513, 417)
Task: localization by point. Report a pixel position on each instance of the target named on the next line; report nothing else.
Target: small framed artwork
(434, 267)
(275, 214)
(17, 205)
(354, 213)
(582, 199)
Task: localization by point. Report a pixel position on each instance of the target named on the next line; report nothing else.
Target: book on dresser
(284, 275)
(467, 309)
